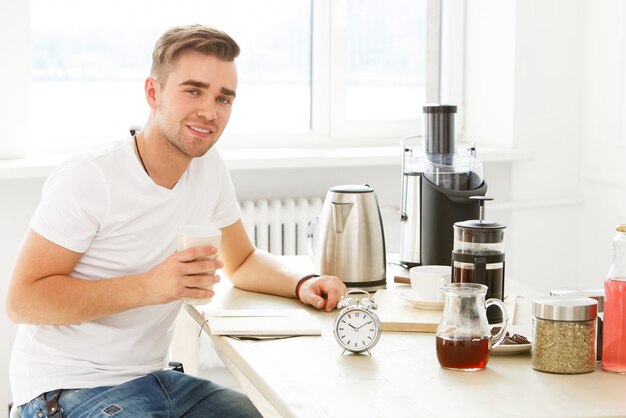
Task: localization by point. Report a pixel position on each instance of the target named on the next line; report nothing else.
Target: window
(385, 71)
(311, 71)
(380, 67)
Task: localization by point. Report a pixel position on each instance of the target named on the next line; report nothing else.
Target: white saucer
(511, 348)
(411, 297)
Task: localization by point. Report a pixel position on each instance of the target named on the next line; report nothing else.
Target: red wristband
(301, 281)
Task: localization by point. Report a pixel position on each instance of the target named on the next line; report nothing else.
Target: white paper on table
(257, 313)
(260, 322)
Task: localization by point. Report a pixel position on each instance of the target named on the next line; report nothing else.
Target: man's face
(192, 108)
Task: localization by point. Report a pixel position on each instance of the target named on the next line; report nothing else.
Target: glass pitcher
(464, 337)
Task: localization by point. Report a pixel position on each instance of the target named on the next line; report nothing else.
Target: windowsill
(40, 166)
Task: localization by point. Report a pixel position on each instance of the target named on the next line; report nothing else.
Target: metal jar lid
(565, 309)
(597, 294)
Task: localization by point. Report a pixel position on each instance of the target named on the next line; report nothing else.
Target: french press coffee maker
(478, 256)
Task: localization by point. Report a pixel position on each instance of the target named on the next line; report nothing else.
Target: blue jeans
(164, 393)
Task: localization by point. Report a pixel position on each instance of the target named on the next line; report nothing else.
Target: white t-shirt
(104, 205)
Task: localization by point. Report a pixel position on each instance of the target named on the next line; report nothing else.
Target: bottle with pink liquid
(614, 330)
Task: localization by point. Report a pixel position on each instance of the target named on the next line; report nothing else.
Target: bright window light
(386, 60)
(90, 60)
(311, 72)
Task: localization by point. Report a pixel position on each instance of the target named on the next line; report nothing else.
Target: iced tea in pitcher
(464, 336)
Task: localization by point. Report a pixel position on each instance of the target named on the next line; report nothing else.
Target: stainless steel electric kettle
(347, 239)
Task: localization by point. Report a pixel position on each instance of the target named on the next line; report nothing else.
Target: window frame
(328, 125)
(341, 127)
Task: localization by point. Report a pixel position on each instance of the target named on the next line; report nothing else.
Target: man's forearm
(60, 300)
(43, 292)
(265, 273)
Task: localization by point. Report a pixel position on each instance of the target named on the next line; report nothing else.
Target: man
(97, 285)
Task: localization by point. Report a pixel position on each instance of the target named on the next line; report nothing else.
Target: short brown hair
(204, 39)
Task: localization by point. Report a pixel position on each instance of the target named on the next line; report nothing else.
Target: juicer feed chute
(437, 183)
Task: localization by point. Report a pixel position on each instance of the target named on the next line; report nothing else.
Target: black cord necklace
(139, 155)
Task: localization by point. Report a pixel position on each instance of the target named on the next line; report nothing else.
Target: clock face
(357, 330)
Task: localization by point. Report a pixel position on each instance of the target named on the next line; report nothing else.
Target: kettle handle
(310, 234)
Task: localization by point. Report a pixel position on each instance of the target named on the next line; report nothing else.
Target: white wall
(14, 76)
(603, 151)
(524, 75)
(550, 76)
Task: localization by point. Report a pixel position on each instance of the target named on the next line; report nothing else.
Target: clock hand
(352, 326)
(361, 326)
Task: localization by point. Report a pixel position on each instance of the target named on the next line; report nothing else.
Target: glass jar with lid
(564, 335)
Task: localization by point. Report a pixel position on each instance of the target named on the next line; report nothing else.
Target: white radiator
(280, 226)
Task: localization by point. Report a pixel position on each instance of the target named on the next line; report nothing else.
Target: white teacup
(194, 236)
(427, 281)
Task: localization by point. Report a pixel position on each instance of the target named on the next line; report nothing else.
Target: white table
(308, 376)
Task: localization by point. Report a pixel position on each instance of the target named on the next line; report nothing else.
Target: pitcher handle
(497, 339)
(310, 235)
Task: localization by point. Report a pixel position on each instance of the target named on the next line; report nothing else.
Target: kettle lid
(352, 188)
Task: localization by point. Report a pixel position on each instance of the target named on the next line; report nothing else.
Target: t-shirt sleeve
(73, 206)
(227, 210)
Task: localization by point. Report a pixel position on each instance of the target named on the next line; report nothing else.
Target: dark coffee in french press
(478, 256)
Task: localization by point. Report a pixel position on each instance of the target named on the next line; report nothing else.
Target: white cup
(194, 236)
(426, 281)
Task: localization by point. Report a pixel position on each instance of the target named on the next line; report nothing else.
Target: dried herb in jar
(564, 335)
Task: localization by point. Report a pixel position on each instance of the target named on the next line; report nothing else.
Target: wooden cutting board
(396, 314)
(401, 279)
